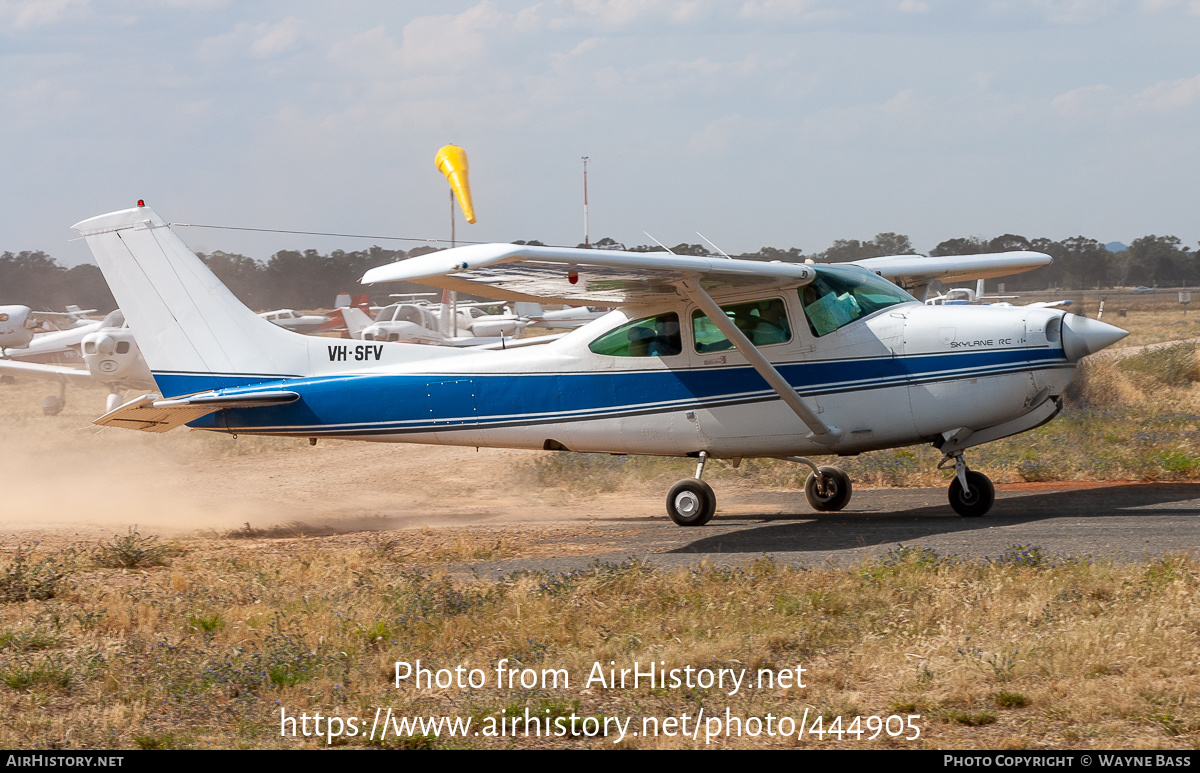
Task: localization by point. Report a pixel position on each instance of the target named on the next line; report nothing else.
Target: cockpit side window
(764, 323)
(648, 337)
(841, 295)
(408, 314)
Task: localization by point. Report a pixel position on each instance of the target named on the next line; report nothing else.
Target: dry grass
(1024, 651)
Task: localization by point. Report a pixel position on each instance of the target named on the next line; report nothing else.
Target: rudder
(194, 333)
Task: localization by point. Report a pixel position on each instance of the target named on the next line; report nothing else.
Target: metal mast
(586, 243)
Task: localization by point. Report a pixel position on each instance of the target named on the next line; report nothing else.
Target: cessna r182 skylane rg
(703, 357)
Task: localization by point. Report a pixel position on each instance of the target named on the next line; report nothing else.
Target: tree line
(310, 280)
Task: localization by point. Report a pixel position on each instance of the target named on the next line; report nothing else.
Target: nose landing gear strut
(971, 493)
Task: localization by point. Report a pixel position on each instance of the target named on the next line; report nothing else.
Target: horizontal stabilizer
(151, 413)
(518, 272)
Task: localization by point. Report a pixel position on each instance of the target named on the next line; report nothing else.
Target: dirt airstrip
(69, 483)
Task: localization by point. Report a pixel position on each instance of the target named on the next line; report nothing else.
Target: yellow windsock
(451, 161)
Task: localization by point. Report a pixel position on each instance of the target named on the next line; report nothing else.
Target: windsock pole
(451, 160)
(586, 243)
(452, 308)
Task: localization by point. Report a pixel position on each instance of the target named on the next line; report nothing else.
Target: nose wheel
(971, 493)
(827, 490)
(54, 404)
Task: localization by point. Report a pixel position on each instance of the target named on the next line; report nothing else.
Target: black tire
(691, 502)
(837, 490)
(978, 498)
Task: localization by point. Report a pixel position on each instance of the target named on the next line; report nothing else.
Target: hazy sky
(788, 123)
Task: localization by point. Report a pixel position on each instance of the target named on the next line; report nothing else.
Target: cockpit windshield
(841, 294)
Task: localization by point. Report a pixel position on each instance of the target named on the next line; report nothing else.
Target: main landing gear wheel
(978, 497)
(829, 494)
(691, 502)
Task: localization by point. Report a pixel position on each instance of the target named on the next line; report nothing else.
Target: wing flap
(151, 413)
(518, 272)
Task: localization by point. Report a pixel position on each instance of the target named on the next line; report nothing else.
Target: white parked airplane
(442, 325)
(295, 321)
(109, 353)
(19, 325)
(65, 320)
(702, 357)
(965, 296)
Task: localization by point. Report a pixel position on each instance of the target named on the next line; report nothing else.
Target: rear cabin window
(763, 322)
(648, 337)
(842, 294)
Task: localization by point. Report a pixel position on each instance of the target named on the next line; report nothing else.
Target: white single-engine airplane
(295, 321)
(446, 324)
(964, 296)
(110, 357)
(703, 357)
(19, 325)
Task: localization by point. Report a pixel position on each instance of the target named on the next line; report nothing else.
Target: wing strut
(821, 433)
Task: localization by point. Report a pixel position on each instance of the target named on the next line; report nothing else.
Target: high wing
(918, 270)
(517, 272)
(77, 376)
(568, 275)
(151, 413)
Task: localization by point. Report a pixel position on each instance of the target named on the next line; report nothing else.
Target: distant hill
(1115, 247)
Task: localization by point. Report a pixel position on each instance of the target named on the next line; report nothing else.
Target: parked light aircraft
(702, 357)
(349, 316)
(65, 320)
(109, 353)
(295, 321)
(19, 325)
(463, 324)
(963, 296)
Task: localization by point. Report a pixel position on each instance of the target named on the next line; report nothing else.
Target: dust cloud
(61, 474)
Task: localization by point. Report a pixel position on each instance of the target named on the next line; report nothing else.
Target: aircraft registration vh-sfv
(702, 357)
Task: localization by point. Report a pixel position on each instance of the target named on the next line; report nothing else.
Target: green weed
(132, 551)
(27, 580)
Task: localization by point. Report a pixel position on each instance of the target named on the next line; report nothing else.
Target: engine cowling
(16, 327)
(113, 358)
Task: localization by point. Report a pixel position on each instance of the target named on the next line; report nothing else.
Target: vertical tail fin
(195, 334)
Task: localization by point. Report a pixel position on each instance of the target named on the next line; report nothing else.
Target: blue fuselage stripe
(401, 403)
